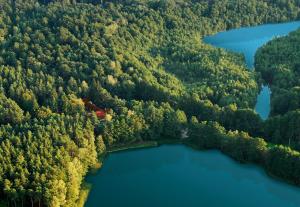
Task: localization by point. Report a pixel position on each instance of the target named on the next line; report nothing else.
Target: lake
(247, 41)
(177, 176)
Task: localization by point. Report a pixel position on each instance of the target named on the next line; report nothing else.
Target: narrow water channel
(247, 41)
(180, 176)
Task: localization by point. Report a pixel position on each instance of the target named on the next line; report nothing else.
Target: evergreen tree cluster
(279, 65)
(142, 61)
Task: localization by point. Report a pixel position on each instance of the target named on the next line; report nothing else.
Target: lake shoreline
(152, 144)
(246, 41)
(132, 146)
(259, 165)
(86, 186)
(195, 152)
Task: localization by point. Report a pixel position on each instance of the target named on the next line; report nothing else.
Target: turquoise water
(247, 41)
(178, 176)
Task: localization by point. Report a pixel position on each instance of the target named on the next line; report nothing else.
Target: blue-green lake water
(247, 41)
(178, 176)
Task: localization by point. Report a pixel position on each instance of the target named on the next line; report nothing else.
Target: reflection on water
(140, 160)
(176, 175)
(263, 99)
(247, 41)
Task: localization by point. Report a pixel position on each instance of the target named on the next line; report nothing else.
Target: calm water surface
(177, 176)
(247, 41)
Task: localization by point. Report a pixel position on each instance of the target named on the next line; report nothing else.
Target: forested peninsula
(79, 78)
(279, 64)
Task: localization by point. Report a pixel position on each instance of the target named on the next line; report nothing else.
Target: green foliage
(45, 160)
(277, 160)
(283, 162)
(284, 129)
(279, 64)
(124, 129)
(143, 61)
(10, 112)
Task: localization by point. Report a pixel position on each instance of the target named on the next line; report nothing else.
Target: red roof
(100, 113)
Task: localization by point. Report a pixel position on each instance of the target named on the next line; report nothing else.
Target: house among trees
(100, 113)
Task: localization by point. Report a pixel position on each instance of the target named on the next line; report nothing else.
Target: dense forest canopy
(143, 63)
(279, 64)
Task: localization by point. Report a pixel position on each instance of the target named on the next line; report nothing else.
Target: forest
(144, 64)
(279, 65)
